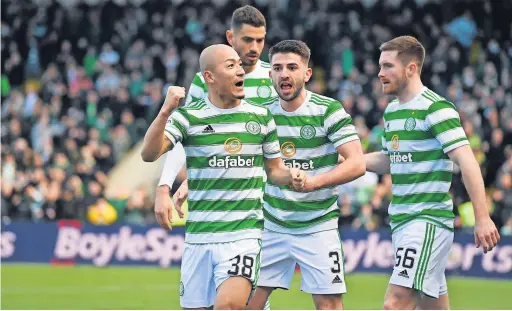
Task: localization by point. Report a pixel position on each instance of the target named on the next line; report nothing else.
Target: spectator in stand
(81, 80)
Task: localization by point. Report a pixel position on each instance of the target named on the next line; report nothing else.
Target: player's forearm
(377, 162)
(153, 145)
(279, 175)
(163, 191)
(181, 177)
(474, 184)
(352, 168)
(174, 170)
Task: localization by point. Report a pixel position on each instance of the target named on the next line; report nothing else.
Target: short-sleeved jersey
(257, 85)
(225, 150)
(309, 137)
(417, 137)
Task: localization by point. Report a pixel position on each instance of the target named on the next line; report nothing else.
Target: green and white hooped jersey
(309, 137)
(257, 85)
(417, 137)
(225, 150)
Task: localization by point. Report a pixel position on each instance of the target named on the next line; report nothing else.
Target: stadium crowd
(81, 81)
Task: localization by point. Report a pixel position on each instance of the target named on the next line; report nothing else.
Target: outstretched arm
(377, 162)
(351, 168)
(280, 174)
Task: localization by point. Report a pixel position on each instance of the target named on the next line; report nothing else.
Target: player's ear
(309, 73)
(411, 69)
(229, 36)
(208, 77)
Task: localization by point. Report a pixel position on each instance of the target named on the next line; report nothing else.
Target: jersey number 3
(337, 265)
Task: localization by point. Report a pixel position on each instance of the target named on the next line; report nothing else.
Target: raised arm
(155, 141)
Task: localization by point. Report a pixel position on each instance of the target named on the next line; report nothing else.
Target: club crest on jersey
(394, 142)
(233, 145)
(253, 127)
(264, 91)
(307, 131)
(410, 124)
(288, 149)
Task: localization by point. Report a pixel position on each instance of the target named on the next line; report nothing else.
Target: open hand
(486, 234)
(179, 197)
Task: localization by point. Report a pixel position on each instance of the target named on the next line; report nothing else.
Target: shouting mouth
(286, 87)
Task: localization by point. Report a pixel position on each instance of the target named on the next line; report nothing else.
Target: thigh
(328, 302)
(421, 254)
(400, 298)
(429, 303)
(320, 257)
(197, 287)
(233, 294)
(260, 299)
(277, 263)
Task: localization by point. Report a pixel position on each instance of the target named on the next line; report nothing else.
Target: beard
(249, 62)
(400, 85)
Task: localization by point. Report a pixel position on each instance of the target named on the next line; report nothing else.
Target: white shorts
(421, 255)
(319, 255)
(205, 266)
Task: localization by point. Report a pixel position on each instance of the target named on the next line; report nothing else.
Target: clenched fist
(298, 179)
(172, 99)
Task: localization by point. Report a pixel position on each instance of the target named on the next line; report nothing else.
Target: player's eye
(231, 65)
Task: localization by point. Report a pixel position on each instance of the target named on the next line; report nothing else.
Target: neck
(413, 88)
(248, 69)
(294, 104)
(222, 101)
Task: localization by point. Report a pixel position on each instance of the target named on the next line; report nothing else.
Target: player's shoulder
(264, 64)
(325, 105)
(260, 74)
(433, 101)
(253, 107)
(322, 100)
(197, 105)
(198, 79)
(269, 103)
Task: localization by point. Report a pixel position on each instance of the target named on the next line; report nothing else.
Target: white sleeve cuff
(174, 161)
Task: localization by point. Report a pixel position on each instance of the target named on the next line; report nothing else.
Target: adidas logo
(208, 129)
(337, 280)
(404, 274)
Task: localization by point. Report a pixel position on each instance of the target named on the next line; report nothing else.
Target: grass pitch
(27, 286)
